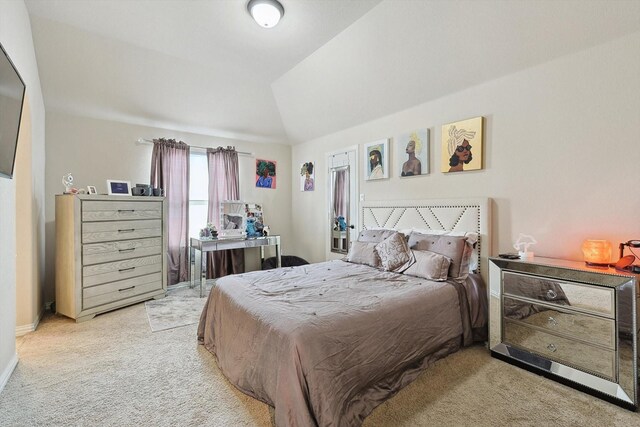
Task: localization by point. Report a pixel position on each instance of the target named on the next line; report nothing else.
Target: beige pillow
(394, 253)
(375, 236)
(363, 253)
(457, 248)
(429, 265)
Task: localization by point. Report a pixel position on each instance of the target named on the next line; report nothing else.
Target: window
(198, 191)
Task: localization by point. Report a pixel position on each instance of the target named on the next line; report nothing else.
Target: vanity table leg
(203, 272)
(278, 260)
(192, 267)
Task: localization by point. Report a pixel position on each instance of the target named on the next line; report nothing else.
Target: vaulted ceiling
(204, 66)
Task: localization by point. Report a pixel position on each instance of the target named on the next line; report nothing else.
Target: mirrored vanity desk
(572, 323)
(199, 247)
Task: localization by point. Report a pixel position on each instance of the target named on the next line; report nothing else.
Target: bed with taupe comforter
(326, 343)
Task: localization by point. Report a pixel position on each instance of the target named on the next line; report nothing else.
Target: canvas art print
(462, 145)
(307, 176)
(376, 159)
(412, 151)
(265, 173)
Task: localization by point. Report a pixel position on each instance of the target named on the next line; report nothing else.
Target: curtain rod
(148, 141)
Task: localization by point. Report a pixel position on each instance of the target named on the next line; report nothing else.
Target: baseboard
(6, 374)
(25, 329)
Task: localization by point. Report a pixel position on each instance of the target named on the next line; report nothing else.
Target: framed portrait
(91, 189)
(118, 188)
(376, 160)
(412, 153)
(265, 173)
(462, 145)
(307, 176)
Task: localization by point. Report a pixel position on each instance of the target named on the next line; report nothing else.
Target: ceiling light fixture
(267, 13)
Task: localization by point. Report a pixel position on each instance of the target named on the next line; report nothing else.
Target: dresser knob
(551, 294)
(552, 348)
(551, 321)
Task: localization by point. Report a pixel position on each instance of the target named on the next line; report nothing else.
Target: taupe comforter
(326, 343)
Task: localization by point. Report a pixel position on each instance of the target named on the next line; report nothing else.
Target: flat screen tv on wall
(12, 91)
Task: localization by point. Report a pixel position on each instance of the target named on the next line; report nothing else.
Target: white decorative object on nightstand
(569, 322)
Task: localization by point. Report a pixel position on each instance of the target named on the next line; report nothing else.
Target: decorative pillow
(471, 236)
(429, 265)
(457, 248)
(375, 236)
(363, 253)
(394, 253)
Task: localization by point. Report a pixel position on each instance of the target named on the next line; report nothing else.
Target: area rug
(181, 307)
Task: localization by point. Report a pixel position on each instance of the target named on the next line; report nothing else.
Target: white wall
(561, 154)
(96, 150)
(15, 36)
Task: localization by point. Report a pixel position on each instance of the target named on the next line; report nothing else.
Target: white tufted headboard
(457, 215)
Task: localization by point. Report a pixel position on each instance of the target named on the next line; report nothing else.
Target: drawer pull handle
(126, 269)
(551, 294)
(552, 322)
(126, 210)
(127, 250)
(126, 289)
(552, 348)
(127, 230)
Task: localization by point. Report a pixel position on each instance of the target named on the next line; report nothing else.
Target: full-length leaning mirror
(340, 220)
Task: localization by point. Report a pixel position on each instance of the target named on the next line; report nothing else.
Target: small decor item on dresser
(522, 245)
(209, 232)
(118, 188)
(67, 181)
(141, 190)
(597, 253)
(625, 263)
(91, 189)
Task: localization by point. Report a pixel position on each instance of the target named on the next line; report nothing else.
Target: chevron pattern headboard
(458, 215)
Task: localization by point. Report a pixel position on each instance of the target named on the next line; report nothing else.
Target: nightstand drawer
(586, 357)
(96, 253)
(114, 211)
(593, 329)
(588, 298)
(116, 291)
(94, 232)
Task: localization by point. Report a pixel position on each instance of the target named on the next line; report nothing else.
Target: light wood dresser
(572, 323)
(110, 252)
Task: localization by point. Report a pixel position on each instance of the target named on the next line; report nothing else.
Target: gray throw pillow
(394, 253)
(429, 265)
(363, 253)
(454, 247)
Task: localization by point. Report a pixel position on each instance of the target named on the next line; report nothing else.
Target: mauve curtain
(170, 171)
(340, 191)
(224, 184)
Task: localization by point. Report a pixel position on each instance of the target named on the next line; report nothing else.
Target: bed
(326, 343)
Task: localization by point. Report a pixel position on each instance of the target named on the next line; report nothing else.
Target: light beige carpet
(114, 371)
(182, 306)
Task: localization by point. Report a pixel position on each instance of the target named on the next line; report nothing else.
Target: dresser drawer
(596, 330)
(113, 271)
(588, 358)
(115, 291)
(96, 253)
(114, 211)
(93, 232)
(593, 299)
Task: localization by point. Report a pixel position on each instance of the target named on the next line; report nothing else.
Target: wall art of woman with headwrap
(458, 141)
(306, 176)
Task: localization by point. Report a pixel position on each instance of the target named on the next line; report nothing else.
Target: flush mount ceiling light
(266, 13)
